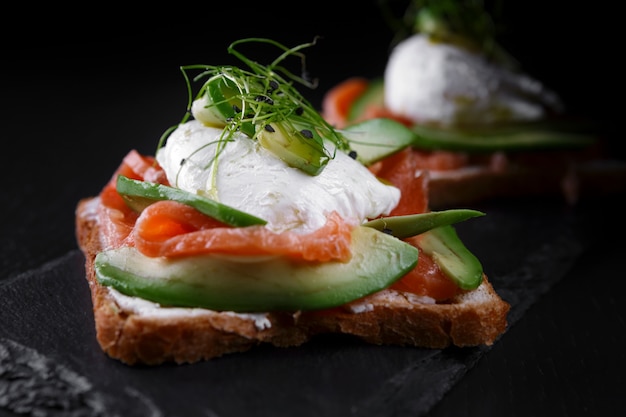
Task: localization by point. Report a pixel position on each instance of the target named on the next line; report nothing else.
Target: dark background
(70, 78)
(81, 86)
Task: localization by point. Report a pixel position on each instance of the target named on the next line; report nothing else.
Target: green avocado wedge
(259, 284)
(509, 137)
(512, 136)
(290, 145)
(222, 93)
(439, 240)
(374, 95)
(140, 194)
(452, 256)
(416, 224)
(376, 139)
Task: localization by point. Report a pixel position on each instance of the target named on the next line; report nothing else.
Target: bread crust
(572, 176)
(385, 318)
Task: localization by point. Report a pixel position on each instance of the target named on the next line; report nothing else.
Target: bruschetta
(255, 221)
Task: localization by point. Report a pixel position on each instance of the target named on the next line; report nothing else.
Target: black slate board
(98, 88)
(50, 361)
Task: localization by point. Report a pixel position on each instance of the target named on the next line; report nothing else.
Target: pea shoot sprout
(263, 103)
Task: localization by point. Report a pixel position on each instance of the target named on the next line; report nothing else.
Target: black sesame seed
(352, 154)
(264, 99)
(307, 133)
(387, 231)
(269, 128)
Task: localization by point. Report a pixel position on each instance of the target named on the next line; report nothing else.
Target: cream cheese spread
(240, 173)
(147, 308)
(434, 82)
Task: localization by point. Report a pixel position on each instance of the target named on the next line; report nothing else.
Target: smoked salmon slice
(172, 229)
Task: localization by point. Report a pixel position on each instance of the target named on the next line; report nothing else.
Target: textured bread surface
(136, 336)
(570, 175)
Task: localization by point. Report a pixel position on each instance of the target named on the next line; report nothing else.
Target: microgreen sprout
(248, 100)
(467, 23)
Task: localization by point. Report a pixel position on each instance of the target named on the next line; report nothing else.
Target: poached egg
(435, 82)
(237, 171)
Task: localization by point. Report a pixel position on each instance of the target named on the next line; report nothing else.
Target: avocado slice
(257, 284)
(140, 194)
(376, 139)
(415, 224)
(513, 136)
(510, 137)
(452, 256)
(222, 103)
(292, 146)
(374, 95)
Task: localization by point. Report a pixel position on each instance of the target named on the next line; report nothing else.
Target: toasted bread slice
(545, 174)
(137, 331)
(571, 173)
